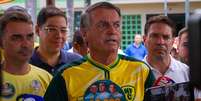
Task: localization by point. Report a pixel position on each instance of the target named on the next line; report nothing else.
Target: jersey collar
(102, 66)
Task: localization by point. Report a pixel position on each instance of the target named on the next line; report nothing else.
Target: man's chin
(56, 49)
(113, 50)
(24, 59)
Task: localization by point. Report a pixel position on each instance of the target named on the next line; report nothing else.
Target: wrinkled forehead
(160, 27)
(18, 26)
(102, 14)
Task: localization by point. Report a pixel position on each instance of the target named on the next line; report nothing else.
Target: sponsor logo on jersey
(36, 86)
(129, 92)
(8, 90)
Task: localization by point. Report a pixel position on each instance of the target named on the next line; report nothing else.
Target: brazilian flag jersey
(87, 80)
(28, 86)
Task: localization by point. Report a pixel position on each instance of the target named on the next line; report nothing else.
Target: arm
(56, 90)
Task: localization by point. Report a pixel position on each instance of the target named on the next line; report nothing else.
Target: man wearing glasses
(100, 25)
(52, 31)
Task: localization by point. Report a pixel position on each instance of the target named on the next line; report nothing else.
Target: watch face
(104, 90)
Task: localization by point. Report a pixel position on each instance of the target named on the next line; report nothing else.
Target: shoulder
(142, 45)
(72, 65)
(68, 57)
(130, 59)
(179, 65)
(134, 62)
(130, 46)
(38, 71)
(70, 54)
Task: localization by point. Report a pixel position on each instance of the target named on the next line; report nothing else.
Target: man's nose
(24, 43)
(112, 29)
(161, 40)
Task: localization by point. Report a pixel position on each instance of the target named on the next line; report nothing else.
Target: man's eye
(154, 36)
(102, 25)
(64, 30)
(166, 37)
(117, 25)
(30, 36)
(16, 38)
(52, 29)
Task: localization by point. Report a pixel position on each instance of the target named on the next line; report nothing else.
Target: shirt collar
(171, 66)
(99, 65)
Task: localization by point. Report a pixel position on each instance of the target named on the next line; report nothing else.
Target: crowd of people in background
(53, 72)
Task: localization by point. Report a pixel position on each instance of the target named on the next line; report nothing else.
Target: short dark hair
(47, 12)
(13, 16)
(78, 37)
(160, 19)
(85, 17)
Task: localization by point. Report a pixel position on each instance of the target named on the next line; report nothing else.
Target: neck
(137, 44)
(159, 63)
(16, 68)
(104, 58)
(49, 57)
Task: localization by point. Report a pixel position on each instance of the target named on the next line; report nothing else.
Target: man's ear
(84, 33)
(37, 29)
(144, 38)
(173, 41)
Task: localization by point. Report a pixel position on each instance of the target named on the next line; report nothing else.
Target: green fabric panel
(56, 90)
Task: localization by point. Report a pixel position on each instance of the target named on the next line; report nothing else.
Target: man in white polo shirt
(159, 33)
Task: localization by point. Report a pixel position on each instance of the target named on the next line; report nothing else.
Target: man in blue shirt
(136, 49)
(52, 31)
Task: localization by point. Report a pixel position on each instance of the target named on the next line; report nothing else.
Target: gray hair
(13, 16)
(85, 17)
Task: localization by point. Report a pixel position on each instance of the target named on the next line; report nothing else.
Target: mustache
(25, 50)
(112, 37)
(160, 47)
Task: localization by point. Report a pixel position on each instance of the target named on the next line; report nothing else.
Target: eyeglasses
(55, 30)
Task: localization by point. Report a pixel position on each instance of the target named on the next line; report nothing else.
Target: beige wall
(155, 8)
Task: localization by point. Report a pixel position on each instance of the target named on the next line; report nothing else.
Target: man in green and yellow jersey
(20, 79)
(101, 27)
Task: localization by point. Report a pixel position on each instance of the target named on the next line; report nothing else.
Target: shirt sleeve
(56, 90)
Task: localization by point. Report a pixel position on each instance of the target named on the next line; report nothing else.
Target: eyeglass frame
(56, 30)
